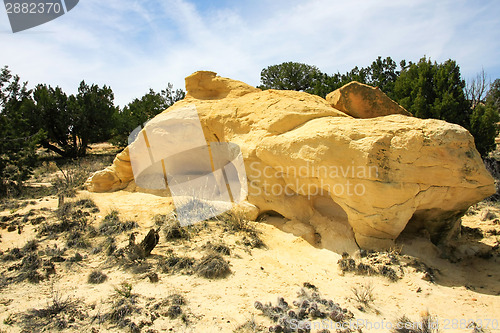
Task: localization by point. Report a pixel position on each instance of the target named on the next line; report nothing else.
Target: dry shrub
(212, 266)
(97, 277)
(427, 324)
(218, 247)
(363, 294)
(112, 225)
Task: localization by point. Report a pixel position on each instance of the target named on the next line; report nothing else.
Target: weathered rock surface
(363, 101)
(114, 177)
(338, 181)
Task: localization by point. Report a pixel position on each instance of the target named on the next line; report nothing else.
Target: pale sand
(222, 305)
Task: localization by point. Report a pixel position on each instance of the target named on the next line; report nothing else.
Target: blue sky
(136, 45)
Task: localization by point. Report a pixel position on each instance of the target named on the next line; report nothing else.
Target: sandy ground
(463, 291)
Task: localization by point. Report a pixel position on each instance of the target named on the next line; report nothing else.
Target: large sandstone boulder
(337, 181)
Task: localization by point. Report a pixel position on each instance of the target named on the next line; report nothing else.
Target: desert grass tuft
(235, 222)
(388, 272)
(87, 203)
(123, 305)
(111, 224)
(363, 294)
(13, 254)
(76, 239)
(175, 301)
(73, 177)
(29, 269)
(176, 264)
(97, 277)
(427, 324)
(250, 326)
(218, 247)
(375, 267)
(59, 313)
(212, 266)
(172, 229)
(70, 219)
(30, 246)
(347, 265)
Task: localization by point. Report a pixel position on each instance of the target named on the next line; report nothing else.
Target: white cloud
(135, 45)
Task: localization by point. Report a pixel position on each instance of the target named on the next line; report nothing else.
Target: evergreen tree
(17, 144)
(432, 90)
(484, 128)
(290, 76)
(71, 123)
(137, 112)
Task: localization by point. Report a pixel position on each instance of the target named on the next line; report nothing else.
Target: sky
(133, 46)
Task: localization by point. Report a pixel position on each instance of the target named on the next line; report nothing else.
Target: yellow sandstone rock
(338, 181)
(363, 101)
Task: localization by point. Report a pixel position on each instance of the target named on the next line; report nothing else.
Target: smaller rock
(363, 101)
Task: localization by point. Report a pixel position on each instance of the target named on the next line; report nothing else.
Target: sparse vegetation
(87, 203)
(76, 258)
(212, 266)
(175, 302)
(388, 272)
(60, 313)
(173, 306)
(308, 307)
(76, 239)
(250, 326)
(124, 304)
(13, 254)
(30, 246)
(55, 252)
(427, 324)
(28, 269)
(70, 179)
(363, 294)
(125, 290)
(97, 277)
(237, 223)
(172, 229)
(376, 264)
(108, 245)
(112, 225)
(59, 233)
(120, 310)
(176, 264)
(71, 218)
(217, 247)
